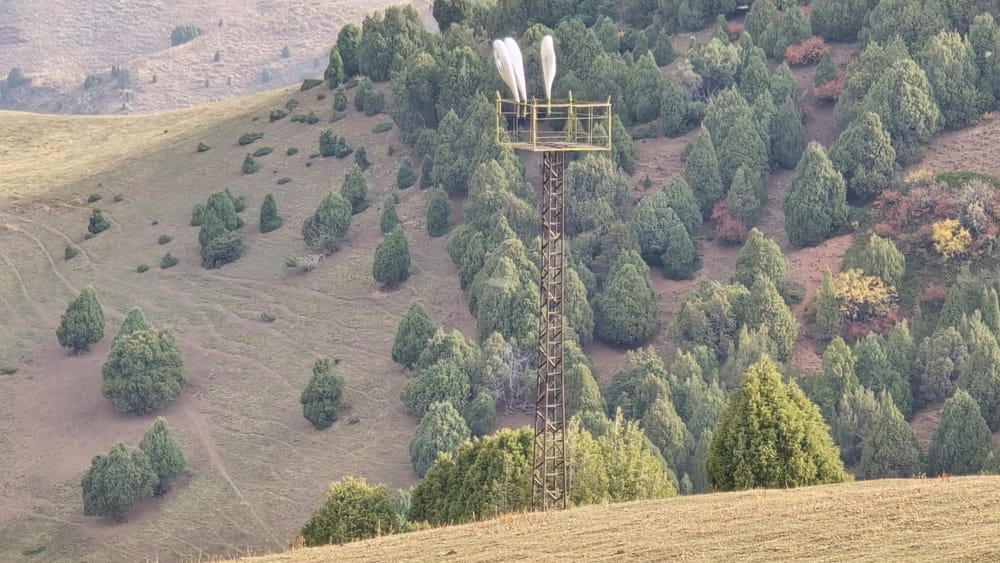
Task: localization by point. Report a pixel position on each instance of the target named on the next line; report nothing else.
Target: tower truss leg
(549, 470)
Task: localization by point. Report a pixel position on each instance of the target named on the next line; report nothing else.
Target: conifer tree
(269, 218)
(787, 135)
(952, 309)
(790, 27)
(680, 197)
(940, 360)
(437, 213)
(353, 510)
(679, 258)
(742, 146)
(961, 441)
(826, 72)
(701, 171)
(816, 201)
(134, 321)
(653, 216)
(984, 36)
(754, 79)
(625, 311)
(481, 414)
(339, 100)
(389, 218)
(870, 65)
(582, 393)
(855, 416)
(98, 223)
(392, 258)
(760, 256)
(116, 481)
(902, 97)
(877, 373)
(324, 229)
(164, 453)
(767, 308)
(414, 332)
(144, 371)
(322, 396)
(673, 111)
(980, 374)
(405, 176)
(441, 429)
(622, 147)
(915, 21)
(829, 318)
(743, 200)
(506, 305)
(355, 189)
(783, 84)
(451, 167)
(83, 322)
(948, 61)
(901, 350)
(786, 445)
(334, 74)
(890, 449)
(762, 13)
(883, 260)
(838, 20)
(864, 155)
(426, 172)
(991, 311)
(577, 310)
(837, 378)
(667, 432)
(642, 92)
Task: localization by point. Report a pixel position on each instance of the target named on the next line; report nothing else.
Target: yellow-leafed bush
(950, 238)
(862, 297)
(920, 176)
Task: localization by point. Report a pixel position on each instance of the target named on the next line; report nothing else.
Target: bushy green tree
(984, 36)
(743, 200)
(134, 321)
(674, 111)
(748, 347)
(323, 229)
(348, 41)
(353, 510)
(949, 63)
(940, 360)
(770, 435)
(442, 381)
(405, 176)
(765, 307)
(826, 71)
(953, 309)
(322, 397)
(915, 21)
(640, 382)
(890, 449)
(437, 213)
(596, 194)
(679, 259)
(440, 430)
(679, 196)
(829, 317)
(582, 393)
(991, 310)
(642, 91)
(864, 155)
(339, 100)
(507, 306)
(578, 313)
(980, 374)
(164, 453)
(883, 260)
(625, 311)
(862, 72)
(717, 62)
(701, 171)
(787, 134)
(389, 218)
(759, 18)
(838, 20)
(116, 481)
(269, 218)
(653, 216)
(414, 332)
(392, 258)
(448, 12)
(98, 223)
(754, 78)
(855, 416)
(790, 27)
(902, 97)
(708, 317)
(143, 372)
(816, 201)
(355, 189)
(837, 378)
(426, 172)
(481, 414)
(877, 373)
(743, 146)
(961, 441)
(761, 256)
(83, 322)
(334, 73)
(667, 432)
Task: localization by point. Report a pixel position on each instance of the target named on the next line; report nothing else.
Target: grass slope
(891, 520)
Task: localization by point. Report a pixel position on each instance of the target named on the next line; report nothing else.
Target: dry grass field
(58, 42)
(893, 520)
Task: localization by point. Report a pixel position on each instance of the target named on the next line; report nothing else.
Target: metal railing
(556, 125)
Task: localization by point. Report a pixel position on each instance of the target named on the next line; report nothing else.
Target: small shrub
(405, 176)
(322, 396)
(361, 158)
(218, 56)
(437, 213)
(286, 52)
(98, 224)
(312, 118)
(118, 198)
(183, 33)
(250, 165)
(320, 97)
(950, 239)
(269, 218)
(277, 114)
(327, 143)
(341, 150)
(88, 83)
(248, 138)
(340, 101)
(648, 131)
(807, 52)
(202, 147)
(298, 118)
(164, 239)
(266, 76)
(70, 253)
(142, 268)
(291, 104)
(292, 151)
(283, 181)
(263, 151)
(374, 103)
(310, 83)
(337, 116)
(862, 297)
(168, 261)
(728, 228)
(198, 215)
(94, 198)
(383, 127)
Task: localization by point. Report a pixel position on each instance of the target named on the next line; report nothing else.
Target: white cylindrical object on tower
(504, 67)
(517, 62)
(548, 64)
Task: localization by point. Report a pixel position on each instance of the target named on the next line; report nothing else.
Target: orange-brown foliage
(807, 52)
(729, 229)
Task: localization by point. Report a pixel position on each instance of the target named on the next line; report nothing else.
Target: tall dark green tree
(83, 322)
(765, 307)
(353, 510)
(701, 171)
(939, 362)
(355, 189)
(915, 21)
(838, 20)
(816, 201)
(437, 213)
(862, 72)
(334, 74)
(743, 200)
(442, 429)
(134, 321)
(348, 42)
(679, 258)
(903, 98)
(826, 72)
(980, 374)
(642, 92)
(743, 146)
(452, 166)
(770, 435)
(961, 441)
(324, 229)
(448, 12)
(322, 397)
(877, 373)
(787, 134)
(116, 481)
(761, 256)
(864, 155)
(392, 258)
(389, 218)
(653, 215)
(949, 63)
(405, 176)
(143, 372)
(414, 332)
(269, 218)
(625, 311)
(829, 318)
(164, 453)
(507, 305)
(883, 260)
(837, 378)
(890, 449)
(680, 197)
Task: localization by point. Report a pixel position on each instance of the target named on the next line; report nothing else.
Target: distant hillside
(60, 42)
(891, 520)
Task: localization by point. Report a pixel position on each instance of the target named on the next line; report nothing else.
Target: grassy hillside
(891, 520)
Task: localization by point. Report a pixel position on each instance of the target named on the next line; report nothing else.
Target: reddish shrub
(934, 294)
(885, 230)
(830, 92)
(856, 330)
(729, 229)
(735, 29)
(807, 52)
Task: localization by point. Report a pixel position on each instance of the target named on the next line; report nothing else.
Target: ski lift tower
(552, 128)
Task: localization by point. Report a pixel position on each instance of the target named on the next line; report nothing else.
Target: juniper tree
(321, 399)
(392, 258)
(962, 439)
(98, 223)
(953, 308)
(786, 445)
(816, 201)
(864, 155)
(871, 64)
(760, 256)
(426, 172)
(451, 168)
(679, 259)
(414, 332)
(940, 360)
(838, 377)
(507, 306)
(754, 78)
(339, 100)
(948, 61)
(355, 189)
(348, 43)
(790, 27)
(134, 321)
(441, 429)
(701, 171)
(625, 311)
(679, 196)
(783, 84)
(164, 453)
(762, 13)
(915, 21)
(116, 481)
(653, 215)
(582, 393)
(353, 510)
(389, 218)
(890, 449)
(144, 371)
(442, 381)
(902, 97)
(743, 200)
(743, 146)
(883, 260)
(642, 92)
(787, 134)
(83, 322)
(765, 307)
(667, 432)
(829, 318)
(838, 20)
(991, 311)
(877, 373)
(269, 218)
(826, 72)
(405, 176)
(334, 74)
(578, 313)
(323, 230)
(980, 373)
(622, 147)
